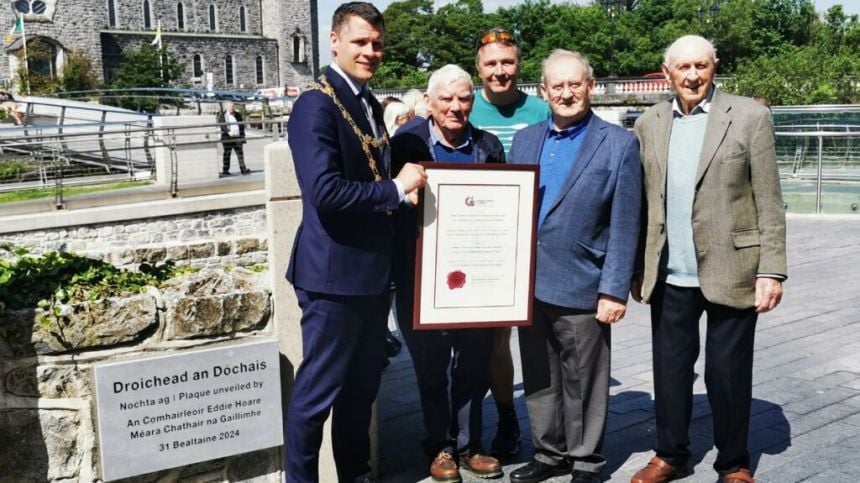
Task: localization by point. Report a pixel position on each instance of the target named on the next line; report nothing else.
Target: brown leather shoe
(444, 469)
(480, 465)
(658, 471)
(743, 475)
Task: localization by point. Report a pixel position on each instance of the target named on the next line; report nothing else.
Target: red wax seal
(456, 279)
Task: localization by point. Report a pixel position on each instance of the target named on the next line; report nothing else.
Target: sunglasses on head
(496, 35)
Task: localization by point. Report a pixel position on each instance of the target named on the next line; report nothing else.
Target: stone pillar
(283, 215)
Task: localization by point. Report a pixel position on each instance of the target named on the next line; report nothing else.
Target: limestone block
(200, 250)
(79, 326)
(224, 248)
(48, 381)
(177, 252)
(150, 255)
(213, 302)
(247, 245)
(45, 445)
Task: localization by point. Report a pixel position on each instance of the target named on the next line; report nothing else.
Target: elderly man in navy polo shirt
(453, 421)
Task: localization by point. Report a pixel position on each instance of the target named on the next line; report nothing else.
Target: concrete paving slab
(804, 424)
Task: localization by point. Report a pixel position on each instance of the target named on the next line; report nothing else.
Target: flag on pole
(16, 29)
(157, 39)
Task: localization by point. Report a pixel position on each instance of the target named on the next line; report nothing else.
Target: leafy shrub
(58, 278)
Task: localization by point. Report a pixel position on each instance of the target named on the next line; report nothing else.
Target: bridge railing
(174, 152)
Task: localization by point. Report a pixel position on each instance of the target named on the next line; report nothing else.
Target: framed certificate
(475, 254)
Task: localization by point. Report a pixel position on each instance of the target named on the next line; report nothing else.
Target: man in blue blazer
(588, 227)
(341, 259)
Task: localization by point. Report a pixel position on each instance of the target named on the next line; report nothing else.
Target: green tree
(147, 66)
(799, 75)
(79, 73)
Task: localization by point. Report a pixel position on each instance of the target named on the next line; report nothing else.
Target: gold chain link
(366, 140)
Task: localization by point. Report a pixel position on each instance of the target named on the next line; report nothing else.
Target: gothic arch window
(147, 15)
(111, 7)
(213, 19)
(180, 16)
(197, 65)
(298, 48)
(228, 69)
(243, 24)
(259, 67)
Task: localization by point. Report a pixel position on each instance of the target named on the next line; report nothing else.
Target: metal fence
(55, 154)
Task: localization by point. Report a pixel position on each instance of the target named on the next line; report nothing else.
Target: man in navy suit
(341, 259)
(588, 227)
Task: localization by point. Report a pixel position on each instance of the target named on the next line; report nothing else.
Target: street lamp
(613, 11)
(708, 12)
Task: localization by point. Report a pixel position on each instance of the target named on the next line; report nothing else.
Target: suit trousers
(565, 358)
(675, 314)
(461, 357)
(232, 144)
(343, 341)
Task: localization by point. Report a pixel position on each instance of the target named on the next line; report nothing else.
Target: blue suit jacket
(587, 243)
(344, 242)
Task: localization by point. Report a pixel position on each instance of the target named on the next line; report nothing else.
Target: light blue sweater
(685, 147)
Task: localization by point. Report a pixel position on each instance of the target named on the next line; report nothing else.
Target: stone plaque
(185, 407)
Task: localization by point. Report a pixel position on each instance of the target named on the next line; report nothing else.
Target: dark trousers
(232, 145)
(566, 356)
(461, 357)
(343, 342)
(675, 314)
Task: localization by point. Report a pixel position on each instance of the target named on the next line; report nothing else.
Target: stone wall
(47, 411)
(213, 50)
(216, 238)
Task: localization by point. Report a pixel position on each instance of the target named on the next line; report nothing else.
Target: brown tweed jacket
(738, 214)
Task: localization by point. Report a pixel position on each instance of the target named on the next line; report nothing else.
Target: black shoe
(580, 476)
(246, 171)
(226, 173)
(392, 345)
(507, 440)
(536, 471)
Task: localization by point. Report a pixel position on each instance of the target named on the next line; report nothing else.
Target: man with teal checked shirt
(502, 109)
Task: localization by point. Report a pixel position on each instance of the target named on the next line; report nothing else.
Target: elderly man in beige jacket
(714, 243)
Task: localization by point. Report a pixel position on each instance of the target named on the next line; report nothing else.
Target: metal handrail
(820, 136)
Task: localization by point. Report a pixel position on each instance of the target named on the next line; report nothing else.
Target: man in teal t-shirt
(502, 109)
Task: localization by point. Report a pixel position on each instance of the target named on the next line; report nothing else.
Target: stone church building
(230, 44)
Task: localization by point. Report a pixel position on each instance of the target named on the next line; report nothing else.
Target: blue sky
(327, 7)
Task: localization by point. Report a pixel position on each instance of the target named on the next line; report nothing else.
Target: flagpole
(160, 62)
(26, 63)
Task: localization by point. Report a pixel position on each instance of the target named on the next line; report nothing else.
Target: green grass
(39, 193)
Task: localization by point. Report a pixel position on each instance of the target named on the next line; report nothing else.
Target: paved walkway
(805, 423)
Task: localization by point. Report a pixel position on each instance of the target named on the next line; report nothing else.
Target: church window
(298, 49)
(197, 63)
(259, 66)
(228, 69)
(111, 13)
(180, 16)
(147, 15)
(213, 19)
(243, 25)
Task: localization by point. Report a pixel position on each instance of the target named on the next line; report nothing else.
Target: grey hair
(448, 74)
(559, 54)
(670, 53)
(414, 100)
